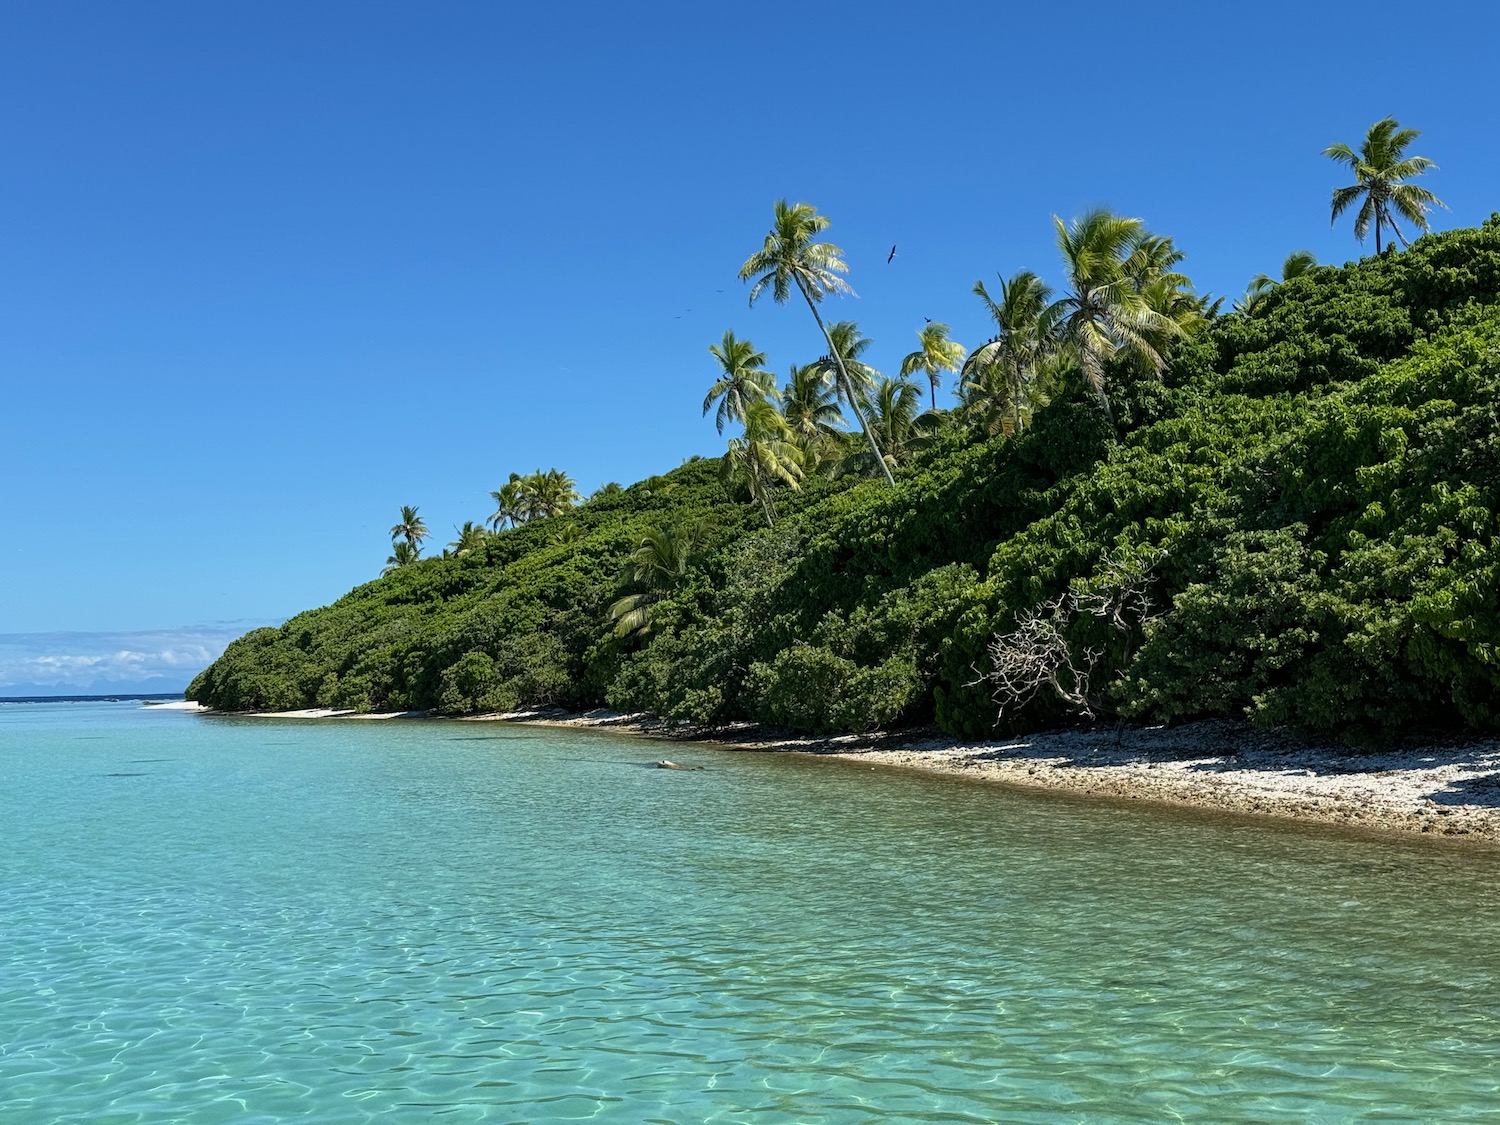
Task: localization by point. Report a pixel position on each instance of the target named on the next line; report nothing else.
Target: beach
(1444, 790)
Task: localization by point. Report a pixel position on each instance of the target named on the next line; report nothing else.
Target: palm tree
(470, 537)
(790, 258)
(566, 534)
(510, 504)
(402, 554)
(411, 528)
(740, 380)
(1297, 263)
(1167, 291)
(545, 494)
(764, 455)
(858, 377)
(898, 420)
(1104, 312)
(998, 378)
(934, 355)
(654, 568)
(1381, 169)
(810, 406)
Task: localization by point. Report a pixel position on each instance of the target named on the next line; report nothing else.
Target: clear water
(248, 920)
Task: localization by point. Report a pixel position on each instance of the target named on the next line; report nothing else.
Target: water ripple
(359, 923)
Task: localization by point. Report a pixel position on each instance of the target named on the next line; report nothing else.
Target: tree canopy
(1287, 513)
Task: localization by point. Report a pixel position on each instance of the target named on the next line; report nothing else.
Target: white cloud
(100, 662)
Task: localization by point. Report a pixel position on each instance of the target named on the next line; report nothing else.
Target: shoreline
(1450, 790)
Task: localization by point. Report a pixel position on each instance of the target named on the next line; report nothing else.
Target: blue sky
(270, 270)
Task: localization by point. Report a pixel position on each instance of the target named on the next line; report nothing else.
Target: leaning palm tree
(858, 377)
(1381, 169)
(1297, 263)
(411, 528)
(741, 379)
(654, 568)
(999, 378)
(790, 257)
(1103, 312)
(402, 554)
(764, 456)
(934, 355)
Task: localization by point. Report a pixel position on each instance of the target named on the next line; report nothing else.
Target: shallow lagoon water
(210, 919)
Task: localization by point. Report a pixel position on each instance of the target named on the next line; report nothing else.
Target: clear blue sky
(270, 270)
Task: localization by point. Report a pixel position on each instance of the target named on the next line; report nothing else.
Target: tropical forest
(1132, 503)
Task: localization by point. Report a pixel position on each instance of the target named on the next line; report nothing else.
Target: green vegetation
(790, 258)
(1139, 510)
(1381, 169)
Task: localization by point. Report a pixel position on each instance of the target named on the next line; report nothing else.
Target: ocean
(212, 919)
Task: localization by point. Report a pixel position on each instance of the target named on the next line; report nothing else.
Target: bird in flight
(891, 257)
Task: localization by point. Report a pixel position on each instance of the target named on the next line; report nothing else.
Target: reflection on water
(342, 921)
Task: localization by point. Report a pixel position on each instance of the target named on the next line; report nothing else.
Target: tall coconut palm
(999, 378)
(1381, 169)
(411, 528)
(1297, 263)
(935, 354)
(402, 554)
(740, 380)
(764, 456)
(810, 406)
(1103, 312)
(790, 258)
(654, 569)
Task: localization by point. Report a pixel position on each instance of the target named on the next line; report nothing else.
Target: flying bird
(891, 257)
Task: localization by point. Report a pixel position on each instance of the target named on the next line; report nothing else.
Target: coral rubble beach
(1450, 790)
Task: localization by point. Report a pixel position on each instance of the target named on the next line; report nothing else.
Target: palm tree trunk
(759, 485)
(848, 387)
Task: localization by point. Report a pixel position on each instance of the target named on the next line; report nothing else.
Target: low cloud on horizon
(103, 662)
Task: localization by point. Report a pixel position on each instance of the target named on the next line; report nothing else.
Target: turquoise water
(253, 920)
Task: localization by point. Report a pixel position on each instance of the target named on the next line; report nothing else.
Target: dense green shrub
(1302, 512)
